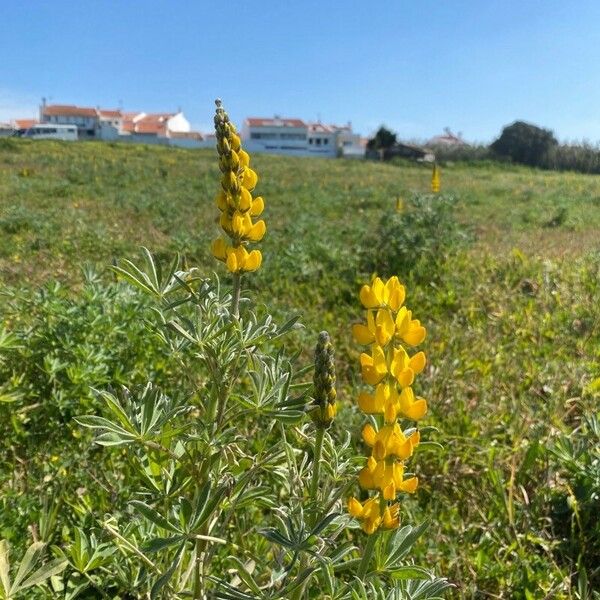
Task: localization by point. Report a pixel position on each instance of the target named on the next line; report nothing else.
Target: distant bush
(583, 158)
(524, 143)
(464, 153)
(417, 240)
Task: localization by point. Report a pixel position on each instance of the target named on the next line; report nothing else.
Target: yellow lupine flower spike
(392, 371)
(235, 201)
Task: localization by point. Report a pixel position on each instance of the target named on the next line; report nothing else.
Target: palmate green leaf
(117, 410)
(400, 543)
(245, 575)
(154, 516)
(274, 536)
(48, 570)
(117, 433)
(31, 556)
(409, 572)
(164, 579)
(158, 544)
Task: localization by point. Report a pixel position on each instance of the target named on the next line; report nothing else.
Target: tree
(384, 138)
(524, 143)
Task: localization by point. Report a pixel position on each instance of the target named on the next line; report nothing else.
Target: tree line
(520, 143)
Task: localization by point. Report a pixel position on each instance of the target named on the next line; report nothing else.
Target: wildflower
(324, 401)
(390, 368)
(235, 201)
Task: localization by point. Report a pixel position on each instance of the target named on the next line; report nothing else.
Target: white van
(47, 131)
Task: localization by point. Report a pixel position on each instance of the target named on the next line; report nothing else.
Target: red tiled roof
(25, 123)
(60, 110)
(148, 127)
(155, 123)
(260, 122)
(111, 114)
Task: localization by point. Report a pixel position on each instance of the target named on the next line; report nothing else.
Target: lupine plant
(243, 475)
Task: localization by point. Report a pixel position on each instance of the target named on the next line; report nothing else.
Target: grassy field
(511, 310)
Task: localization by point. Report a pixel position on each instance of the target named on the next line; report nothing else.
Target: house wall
(179, 124)
(277, 139)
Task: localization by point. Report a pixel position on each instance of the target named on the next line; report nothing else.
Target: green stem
(367, 556)
(198, 571)
(235, 297)
(314, 483)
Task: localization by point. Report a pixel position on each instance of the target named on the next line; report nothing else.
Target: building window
(325, 141)
(310, 141)
(318, 141)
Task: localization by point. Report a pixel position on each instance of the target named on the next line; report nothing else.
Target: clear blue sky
(417, 65)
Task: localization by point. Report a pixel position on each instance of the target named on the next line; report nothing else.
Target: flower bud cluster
(391, 370)
(235, 201)
(323, 407)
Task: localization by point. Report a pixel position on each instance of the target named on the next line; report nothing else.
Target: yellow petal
(367, 297)
(385, 326)
(389, 492)
(415, 334)
(257, 231)
(405, 378)
(379, 452)
(235, 140)
(221, 200)
(355, 508)
(219, 249)
(362, 335)
(244, 158)
(258, 205)
(249, 179)
(365, 479)
(366, 403)
(237, 224)
(417, 362)
(245, 202)
(232, 264)
(410, 485)
(253, 261)
(369, 434)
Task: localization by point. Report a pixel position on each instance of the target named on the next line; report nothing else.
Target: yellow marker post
(435, 179)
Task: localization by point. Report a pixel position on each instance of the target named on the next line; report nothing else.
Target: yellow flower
(390, 441)
(411, 407)
(392, 371)
(374, 367)
(380, 329)
(387, 477)
(408, 329)
(239, 260)
(368, 513)
(404, 368)
(390, 294)
(235, 200)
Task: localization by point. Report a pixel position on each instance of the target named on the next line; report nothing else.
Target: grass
(513, 320)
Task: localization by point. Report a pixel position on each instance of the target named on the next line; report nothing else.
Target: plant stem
(367, 556)
(235, 297)
(198, 571)
(314, 483)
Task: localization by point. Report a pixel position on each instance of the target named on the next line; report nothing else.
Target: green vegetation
(510, 304)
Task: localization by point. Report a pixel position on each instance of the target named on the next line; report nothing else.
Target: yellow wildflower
(235, 201)
(392, 371)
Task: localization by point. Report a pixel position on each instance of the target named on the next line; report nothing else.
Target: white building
(103, 124)
(6, 129)
(87, 120)
(300, 138)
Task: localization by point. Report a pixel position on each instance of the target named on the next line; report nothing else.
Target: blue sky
(417, 66)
